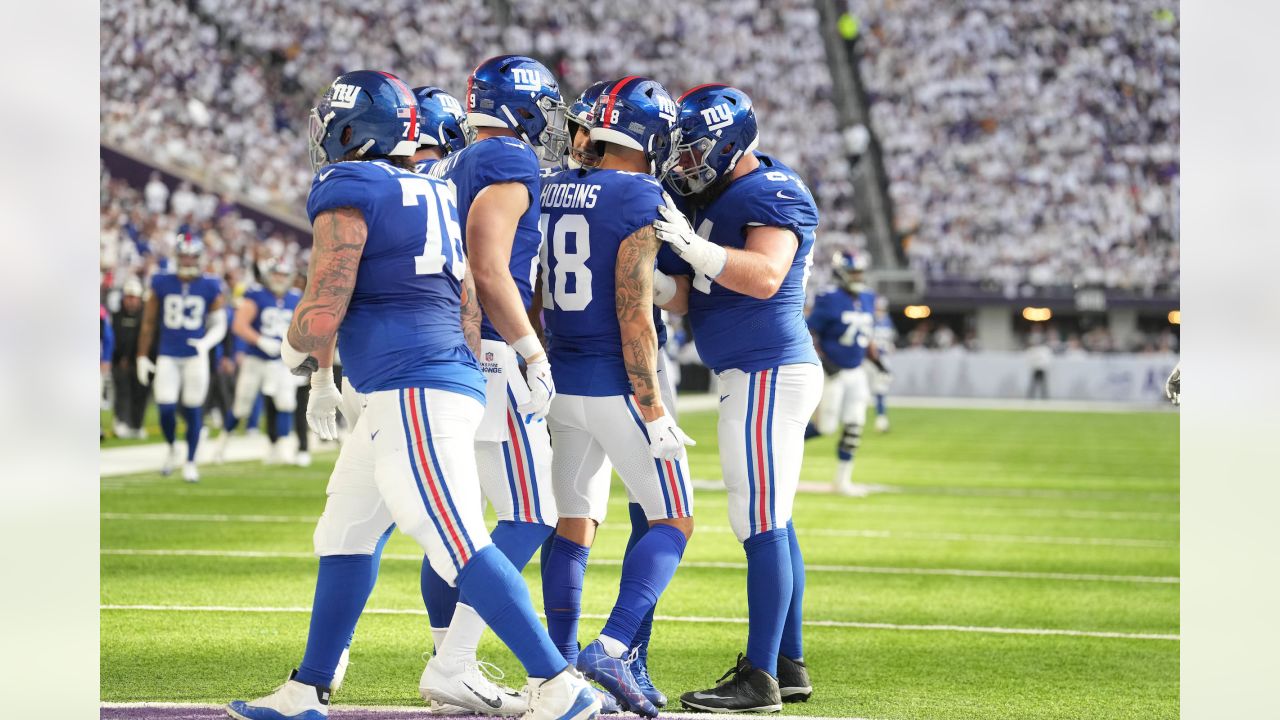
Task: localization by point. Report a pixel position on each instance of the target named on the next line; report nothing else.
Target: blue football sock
(792, 632)
(229, 422)
(194, 418)
(880, 410)
(439, 597)
(646, 571)
(169, 422)
(284, 424)
(501, 598)
(373, 568)
(341, 590)
(639, 526)
(769, 583)
(516, 540)
(545, 553)
(562, 594)
(811, 431)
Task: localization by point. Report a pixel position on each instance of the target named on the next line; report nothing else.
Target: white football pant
(844, 400)
(513, 456)
(761, 430)
(188, 374)
(269, 377)
(410, 460)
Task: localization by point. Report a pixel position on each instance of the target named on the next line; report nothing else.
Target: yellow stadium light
(917, 312)
(1175, 317)
(1035, 314)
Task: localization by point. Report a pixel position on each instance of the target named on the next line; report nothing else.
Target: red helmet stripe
(613, 96)
(698, 87)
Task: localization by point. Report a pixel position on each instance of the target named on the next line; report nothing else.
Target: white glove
(541, 389)
(702, 255)
(538, 374)
(1173, 386)
(666, 439)
(664, 287)
(323, 404)
(269, 345)
(145, 369)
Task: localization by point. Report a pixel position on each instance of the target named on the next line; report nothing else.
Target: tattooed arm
(633, 280)
(339, 235)
(471, 313)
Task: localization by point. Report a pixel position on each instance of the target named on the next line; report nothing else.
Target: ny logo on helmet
(667, 109)
(717, 116)
(450, 104)
(343, 95)
(527, 78)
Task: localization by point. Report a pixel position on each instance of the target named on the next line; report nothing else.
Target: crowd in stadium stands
(1030, 141)
(220, 94)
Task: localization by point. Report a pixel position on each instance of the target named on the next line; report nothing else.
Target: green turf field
(995, 521)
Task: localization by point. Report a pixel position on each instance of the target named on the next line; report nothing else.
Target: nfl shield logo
(488, 357)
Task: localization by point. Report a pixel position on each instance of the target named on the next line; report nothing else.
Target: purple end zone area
(210, 713)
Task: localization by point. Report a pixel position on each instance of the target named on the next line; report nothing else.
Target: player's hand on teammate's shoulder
(666, 439)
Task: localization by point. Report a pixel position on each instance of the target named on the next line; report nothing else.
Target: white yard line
(804, 531)
(340, 710)
(809, 567)
(691, 619)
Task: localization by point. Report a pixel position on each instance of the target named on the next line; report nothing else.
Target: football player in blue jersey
(841, 323)
(515, 114)
(261, 320)
(599, 249)
(389, 283)
(885, 336)
(187, 307)
(742, 278)
(441, 126)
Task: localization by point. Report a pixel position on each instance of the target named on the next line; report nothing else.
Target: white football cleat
(291, 701)
(439, 708)
(190, 473)
(340, 671)
(170, 460)
(852, 489)
(273, 454)
(567, 696)
(470, 688)
(882, 423)
(303, 459)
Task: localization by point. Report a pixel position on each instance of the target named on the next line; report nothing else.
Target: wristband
(529, 348)
(322, 377)
(292, 358)
(664, 287)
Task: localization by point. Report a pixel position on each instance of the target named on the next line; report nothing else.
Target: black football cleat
(745, 688)
(793, 680)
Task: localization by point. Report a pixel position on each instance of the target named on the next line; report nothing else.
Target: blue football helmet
(717, 127)
(376, 107)
(189, 253)
(848, 267)
(637, 113)
(581, 152)
(520, 94)
(440, 120)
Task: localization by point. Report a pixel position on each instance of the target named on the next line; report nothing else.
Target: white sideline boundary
(809, 567)
(706, 401)
(338, 710)
(814, 532)
(690, 619)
